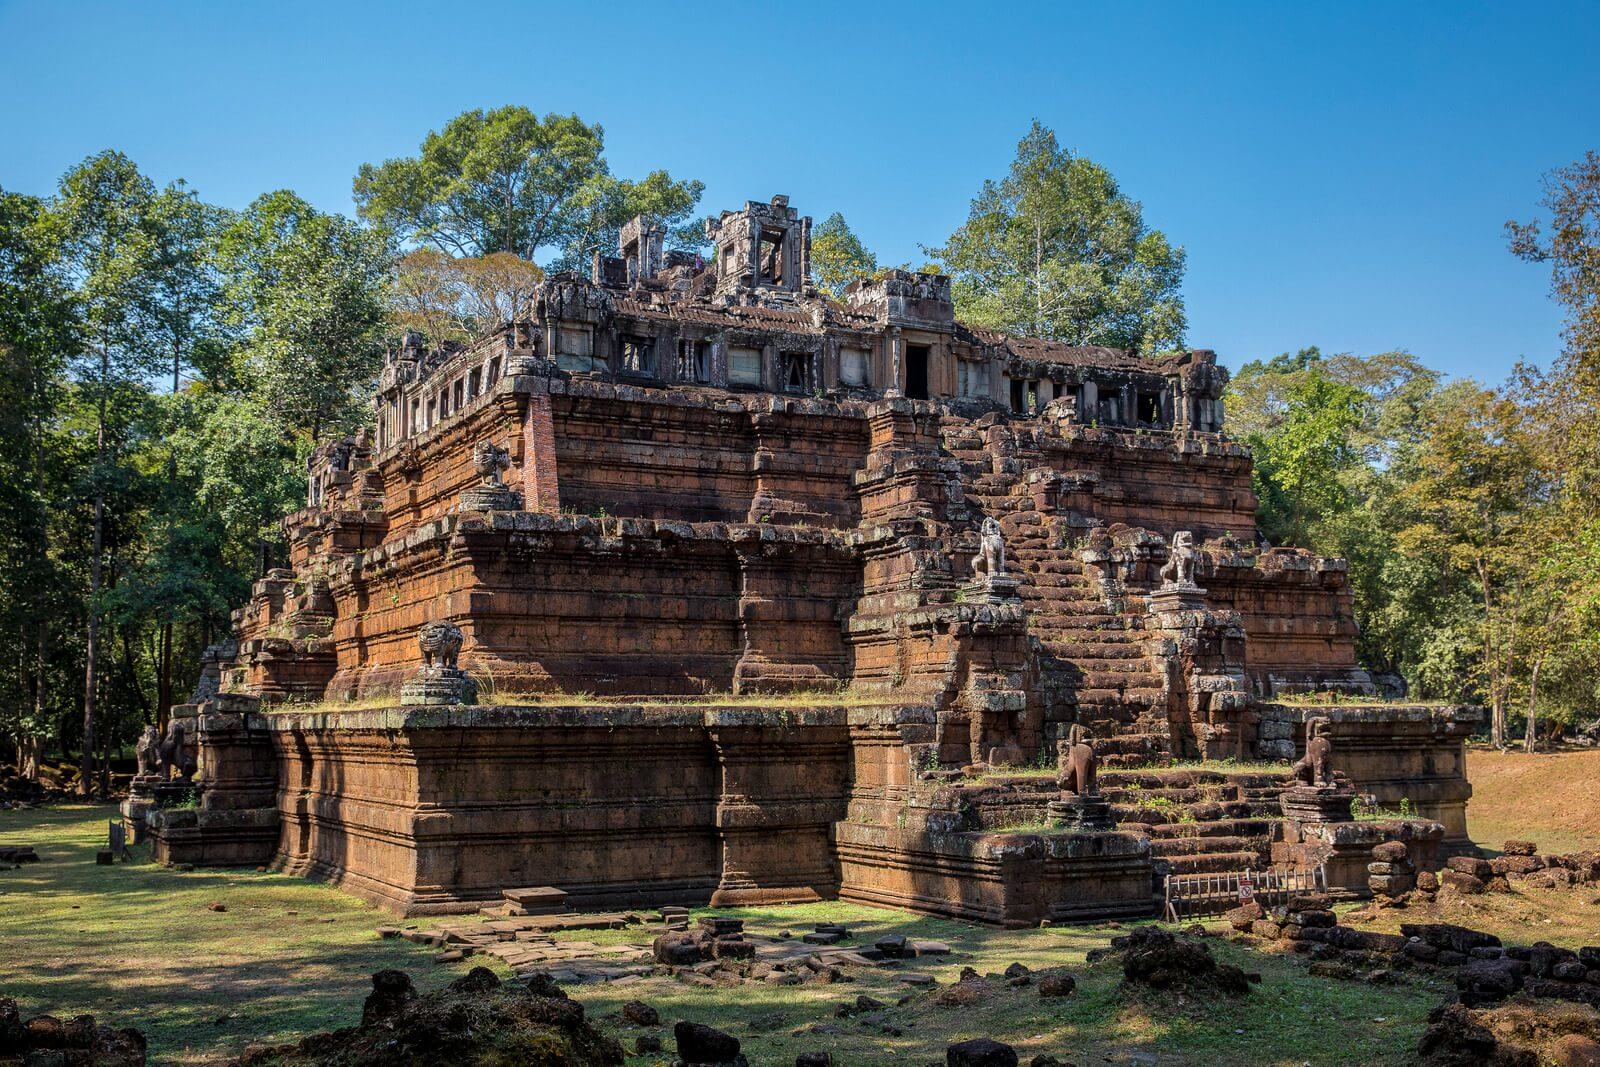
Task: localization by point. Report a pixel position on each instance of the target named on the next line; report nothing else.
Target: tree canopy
(1055, 249)
(507, 180)
(838, 257)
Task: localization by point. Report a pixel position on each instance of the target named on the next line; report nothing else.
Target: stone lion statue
(1316, 766)
(440, 642)
(148, 751)
(489, 459)
(991, 557)
(1077, 765)
(1182, 558)
(173, 753)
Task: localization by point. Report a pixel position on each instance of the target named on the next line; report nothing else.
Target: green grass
(1285, 1020)
(135, 944)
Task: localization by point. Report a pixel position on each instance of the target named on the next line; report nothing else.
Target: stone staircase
(1093, 662)
(1199, 822)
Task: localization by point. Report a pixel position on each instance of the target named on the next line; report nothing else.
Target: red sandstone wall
(1145, 480)
(566, 603)
(700, 462)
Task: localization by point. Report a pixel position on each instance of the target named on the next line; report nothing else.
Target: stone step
(537, 900)
(1215, 863)
(1218, 828)
(1172, 847)
(1216, 794)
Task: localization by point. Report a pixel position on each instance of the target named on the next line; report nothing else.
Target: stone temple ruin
(700, 585)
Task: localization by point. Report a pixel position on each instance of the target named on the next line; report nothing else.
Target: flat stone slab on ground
(823, 937)
(931, 948)
(914, 978)
(538, 899)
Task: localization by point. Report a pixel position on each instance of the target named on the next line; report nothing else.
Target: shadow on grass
(138, 945)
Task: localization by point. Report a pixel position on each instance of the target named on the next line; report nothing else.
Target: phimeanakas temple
(700, 585)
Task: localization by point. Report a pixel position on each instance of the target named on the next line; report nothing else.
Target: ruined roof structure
(699, 584)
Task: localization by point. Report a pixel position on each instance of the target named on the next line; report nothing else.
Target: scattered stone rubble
(1156, 957)
(716, 952)
(1516, 1034)
(475, 1019)
(1519, 865)
(1485, 971)
(44, 1039)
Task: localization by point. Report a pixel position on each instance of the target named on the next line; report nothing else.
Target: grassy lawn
(138, 945)
(1285, 1020)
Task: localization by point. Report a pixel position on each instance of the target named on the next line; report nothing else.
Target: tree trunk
(29, 745)
(91, 657)
(1497, 719)
(164, 678)
(1530, 737)
(29, 749)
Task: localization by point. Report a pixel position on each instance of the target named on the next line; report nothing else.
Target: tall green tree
(305, 291)
(1055, 249)
(838, 256)
(507, 180)
(1566, 406)
(39, 329)
(103, 217)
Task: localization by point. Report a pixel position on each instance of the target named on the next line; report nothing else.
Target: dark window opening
(795, 371)
(494, 371)
(1149, 408)
(459, 394)
(917, 371)
(1019, 396)
(694, 361)
(474, 382)
(769, 257)
(636, 356)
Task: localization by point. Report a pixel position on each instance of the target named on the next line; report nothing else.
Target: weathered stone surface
(980, 1052)
(701, 1044)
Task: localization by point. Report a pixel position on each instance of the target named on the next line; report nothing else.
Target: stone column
(782, 787)
(541, 488)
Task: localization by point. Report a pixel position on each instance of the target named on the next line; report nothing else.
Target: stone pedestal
(172, 794)
(491, 498)
(439, 685)
(1317, 804)
(1082, 814)
(1175, 597)
(995, 589)
(136, 809)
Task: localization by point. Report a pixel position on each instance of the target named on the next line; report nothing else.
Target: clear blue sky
(1339, 173)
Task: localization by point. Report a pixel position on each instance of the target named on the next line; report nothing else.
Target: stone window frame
(865, 353)
(760, 380)
(694, 360)
(636, 356)
(790, 362)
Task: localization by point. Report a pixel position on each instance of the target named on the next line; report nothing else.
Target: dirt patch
(1546, 797)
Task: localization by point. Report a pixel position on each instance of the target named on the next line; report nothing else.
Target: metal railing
(1192, 895)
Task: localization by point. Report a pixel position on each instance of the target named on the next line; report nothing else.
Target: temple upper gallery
(753, 320)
